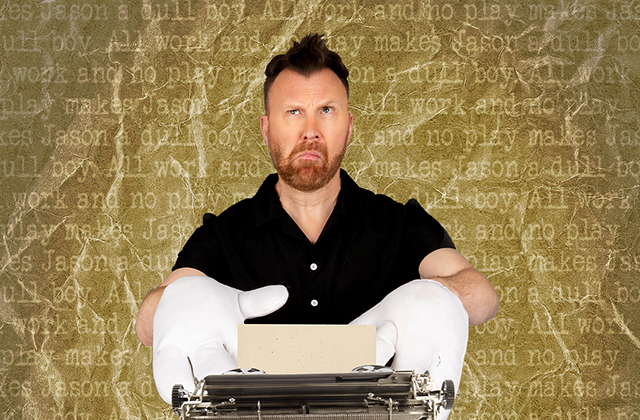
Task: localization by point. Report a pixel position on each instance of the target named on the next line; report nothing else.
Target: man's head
(306, 57)
(307, 124)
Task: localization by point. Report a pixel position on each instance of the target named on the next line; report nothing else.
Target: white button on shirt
(314, 266)
(314, 303)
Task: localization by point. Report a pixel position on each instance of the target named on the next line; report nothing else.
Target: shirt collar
(268, 206)
(266, 202)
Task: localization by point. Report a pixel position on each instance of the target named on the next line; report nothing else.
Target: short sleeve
(200, 250)
(423, 234)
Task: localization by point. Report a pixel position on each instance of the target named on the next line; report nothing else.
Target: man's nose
(311, 127)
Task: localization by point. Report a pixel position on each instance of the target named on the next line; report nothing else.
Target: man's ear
(350, 128)
(264, 127)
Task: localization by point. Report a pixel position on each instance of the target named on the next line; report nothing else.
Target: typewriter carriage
(367, 392)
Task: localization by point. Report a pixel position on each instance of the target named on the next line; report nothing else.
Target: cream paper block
(306, 348)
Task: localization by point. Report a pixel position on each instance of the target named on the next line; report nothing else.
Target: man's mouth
(309, 155)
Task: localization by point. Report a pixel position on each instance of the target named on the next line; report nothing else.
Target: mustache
(310, 146)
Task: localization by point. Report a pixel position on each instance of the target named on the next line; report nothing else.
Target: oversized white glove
(197, 317)
(425, 325)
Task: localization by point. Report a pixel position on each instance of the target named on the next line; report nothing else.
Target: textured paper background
(514, 123)
(306, 348)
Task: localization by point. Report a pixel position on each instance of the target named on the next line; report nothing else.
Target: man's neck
(310, 210)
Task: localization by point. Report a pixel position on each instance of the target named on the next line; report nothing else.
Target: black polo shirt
(370, 246)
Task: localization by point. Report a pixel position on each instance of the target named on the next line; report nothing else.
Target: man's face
(307, 127)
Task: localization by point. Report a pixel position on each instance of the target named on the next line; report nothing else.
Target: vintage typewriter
(367, 392)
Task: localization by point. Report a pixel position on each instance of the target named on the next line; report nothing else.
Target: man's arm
(144, 323)
(448, 267)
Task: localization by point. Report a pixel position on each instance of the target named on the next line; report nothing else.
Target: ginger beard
(306, 175)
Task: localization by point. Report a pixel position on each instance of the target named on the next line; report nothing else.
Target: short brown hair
(306, 57)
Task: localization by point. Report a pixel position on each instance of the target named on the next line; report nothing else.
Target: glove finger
(211, 358)
(386, 339)
(367, 318)
(437, 345)
(171, 367)
(450, 356)
(441, 361)
(262, 301)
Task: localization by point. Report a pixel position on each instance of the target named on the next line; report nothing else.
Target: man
(327, 251)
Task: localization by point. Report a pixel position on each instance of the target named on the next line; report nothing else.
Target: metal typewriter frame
(360, 394)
